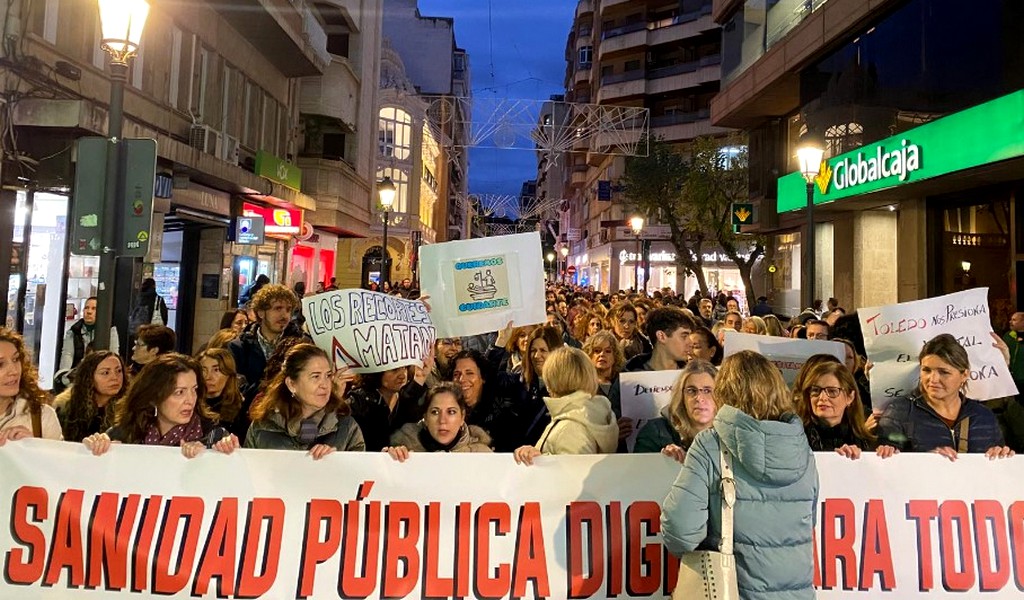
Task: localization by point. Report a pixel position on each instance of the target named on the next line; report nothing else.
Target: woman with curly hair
(165, 406)
(301, 410)
(87, 407)
(587, 324)
(24, 408)
(223, 396)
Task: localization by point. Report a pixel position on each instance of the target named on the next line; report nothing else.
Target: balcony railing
(686, 67)
(660, 24)
(622, 77)
(680, 118)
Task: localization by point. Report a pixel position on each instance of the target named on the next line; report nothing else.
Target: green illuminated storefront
(927, 211)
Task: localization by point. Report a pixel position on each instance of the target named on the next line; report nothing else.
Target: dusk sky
(517, 50)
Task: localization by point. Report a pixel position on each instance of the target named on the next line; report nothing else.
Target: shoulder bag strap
(728, 500)
(961, 446)
(37, 422)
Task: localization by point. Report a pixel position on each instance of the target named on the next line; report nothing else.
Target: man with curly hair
(273, 304)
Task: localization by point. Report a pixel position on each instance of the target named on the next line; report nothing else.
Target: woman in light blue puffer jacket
(776, 484)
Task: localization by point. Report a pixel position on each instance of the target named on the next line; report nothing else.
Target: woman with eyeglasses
(833, 414)
(691, 410)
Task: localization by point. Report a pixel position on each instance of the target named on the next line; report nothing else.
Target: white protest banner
(894, 335)
(644, 394)
(785, 353)
(478, 286)
(369, 331)
(143, 521)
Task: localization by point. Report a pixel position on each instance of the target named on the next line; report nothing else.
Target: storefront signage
(203, 198)
(278, 221)
(670, 257)
(953, 143)
(276, 169)
(249, 231)
(649, 232)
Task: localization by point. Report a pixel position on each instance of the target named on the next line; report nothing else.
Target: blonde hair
(607, 337)
(679, 417)
(569, 370)
(752, 384)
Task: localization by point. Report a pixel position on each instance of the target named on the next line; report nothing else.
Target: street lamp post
(122, 22)
(551, 260)
(810, 157)
(565, 253)
(386, 192)
(637, 224)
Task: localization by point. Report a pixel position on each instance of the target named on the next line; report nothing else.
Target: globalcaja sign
(980, 135)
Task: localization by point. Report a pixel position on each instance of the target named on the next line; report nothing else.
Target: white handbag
(706, 574)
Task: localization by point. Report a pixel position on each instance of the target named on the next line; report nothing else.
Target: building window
(586, 55)
(394, 133)
(401, 180)
(843, 138)
(632, 65)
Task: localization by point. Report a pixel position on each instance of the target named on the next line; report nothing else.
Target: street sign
(742, 214)
(139, 186)
(139, 171)
(87, 204)
(571, 270)
(574, 234)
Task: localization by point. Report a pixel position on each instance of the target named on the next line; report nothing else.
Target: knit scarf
(189, 432)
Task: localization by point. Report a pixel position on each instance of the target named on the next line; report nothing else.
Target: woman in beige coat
(581, 421)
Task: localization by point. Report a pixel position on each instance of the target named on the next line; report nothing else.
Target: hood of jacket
(592, 412)
(773, 452)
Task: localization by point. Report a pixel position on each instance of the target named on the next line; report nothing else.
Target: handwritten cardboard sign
(478, 286)
(369, 331)
(644, 394)
(785, 353)
(894, 335)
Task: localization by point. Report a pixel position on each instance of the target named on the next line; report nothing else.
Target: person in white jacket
(581, 421)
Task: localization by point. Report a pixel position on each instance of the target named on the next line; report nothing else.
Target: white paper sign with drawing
(643, 395)
(785, 353)
(369, 331)
(894, 335)
(478, 286)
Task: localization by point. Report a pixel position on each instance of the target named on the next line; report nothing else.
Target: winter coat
(776, 495)
(101, 421)
(1010, 414)
(19, 415)
(250, 362)
(580, 424)
(271, 433)
(910, 424)
(375, 418)
(499, 412)
(656, 434)
(823, 438)
(471, 438)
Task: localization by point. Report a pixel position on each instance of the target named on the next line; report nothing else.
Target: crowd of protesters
(549, 388)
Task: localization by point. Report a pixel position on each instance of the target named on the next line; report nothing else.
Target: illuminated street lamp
(551, 259)
(121, 22)
(637, 225)
(386, 193)
(810, 157)
(564, 251)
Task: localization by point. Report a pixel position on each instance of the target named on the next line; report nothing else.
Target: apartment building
(918, 106)
(663, 56)
(219, 89)
(440, 71)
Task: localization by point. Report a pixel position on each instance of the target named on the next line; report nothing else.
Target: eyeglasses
(693, 392)
(831, 392)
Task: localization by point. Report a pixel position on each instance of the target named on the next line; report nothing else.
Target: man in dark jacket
(273, 305)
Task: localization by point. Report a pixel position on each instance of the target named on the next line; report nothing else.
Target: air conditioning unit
(230, 149)
(207, 139)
